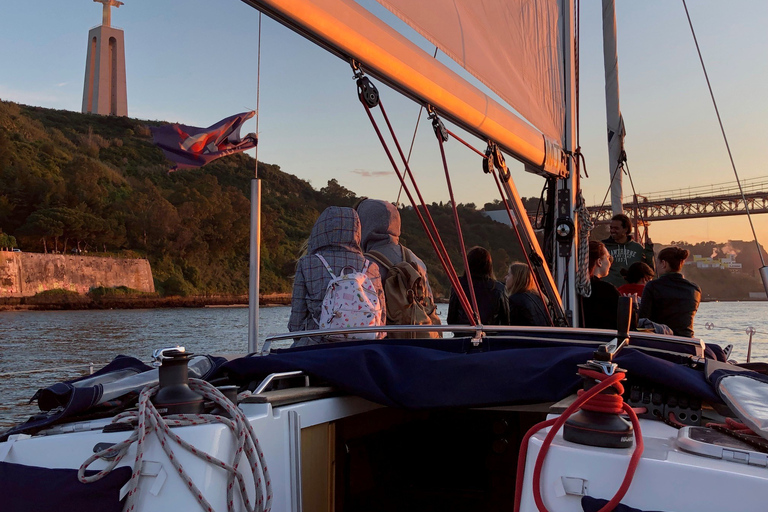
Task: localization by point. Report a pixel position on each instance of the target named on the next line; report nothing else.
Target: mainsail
(511, 46)
(350, 31)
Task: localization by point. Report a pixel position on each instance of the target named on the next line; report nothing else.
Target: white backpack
(350, 301)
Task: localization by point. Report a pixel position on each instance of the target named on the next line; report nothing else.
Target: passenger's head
(480, 263)
(671, 259)
(337, 227)
(519, 279)
(380, 223)
(637, 273)
(599, 259)
(621, 227)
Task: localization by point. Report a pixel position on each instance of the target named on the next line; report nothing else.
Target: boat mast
(567, 225)
(616, 154)
(255, 235)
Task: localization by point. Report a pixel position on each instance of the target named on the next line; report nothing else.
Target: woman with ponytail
(671, 299)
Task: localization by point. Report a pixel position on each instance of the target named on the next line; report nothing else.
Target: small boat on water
(508, 418)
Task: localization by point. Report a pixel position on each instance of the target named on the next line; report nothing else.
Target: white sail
(348, 30)
(512, 46)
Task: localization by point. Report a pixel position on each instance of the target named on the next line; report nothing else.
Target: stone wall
(23, 274)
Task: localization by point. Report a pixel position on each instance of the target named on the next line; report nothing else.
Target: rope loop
(148, 421)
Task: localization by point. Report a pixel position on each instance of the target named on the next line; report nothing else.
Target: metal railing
(750, 331)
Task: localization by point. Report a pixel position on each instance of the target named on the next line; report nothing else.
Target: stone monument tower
(104, 91)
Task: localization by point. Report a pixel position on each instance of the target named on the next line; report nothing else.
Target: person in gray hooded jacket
(335, 236)
(380, 224)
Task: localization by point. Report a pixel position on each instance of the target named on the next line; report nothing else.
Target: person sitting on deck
(635, 276)
(671, 299)
(526, 306)
(601, 307)
(336, 237)
(491, 296)
(624, 250)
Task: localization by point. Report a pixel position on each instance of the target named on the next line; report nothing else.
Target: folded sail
(512, 46)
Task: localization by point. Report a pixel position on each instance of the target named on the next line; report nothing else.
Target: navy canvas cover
(593, 505)
(429, 374)
(30, 488)
(68, 401)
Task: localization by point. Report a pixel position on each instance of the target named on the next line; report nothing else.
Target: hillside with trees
(80, 183)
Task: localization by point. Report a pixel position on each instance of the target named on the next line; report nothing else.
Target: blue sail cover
(430, 374)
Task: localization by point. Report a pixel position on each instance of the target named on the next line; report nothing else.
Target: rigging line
(258, 97)
(467, 272)
(619, 166)
(413, 139)
(576, 66)
(482, 155)
(444, 260)
(522, 245)
(447, 264)
(722, 129)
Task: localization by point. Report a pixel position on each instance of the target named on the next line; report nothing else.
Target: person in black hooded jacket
(491, 295)
(671, 299)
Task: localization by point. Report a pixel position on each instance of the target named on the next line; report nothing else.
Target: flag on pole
(190, 146)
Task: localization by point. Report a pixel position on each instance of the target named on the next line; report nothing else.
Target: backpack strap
(327, 266)
(380, 259)
(406, 254)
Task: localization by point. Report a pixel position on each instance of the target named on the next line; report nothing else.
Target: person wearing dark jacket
(336, 237)
(526, 306)
(491, 296)
(599, 310)
(671, 299)
(624, 250)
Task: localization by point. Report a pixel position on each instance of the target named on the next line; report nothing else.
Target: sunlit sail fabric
(512, 46)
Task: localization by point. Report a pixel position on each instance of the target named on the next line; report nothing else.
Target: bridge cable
(722, 129)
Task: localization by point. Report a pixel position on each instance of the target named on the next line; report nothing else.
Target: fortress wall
(24, 274)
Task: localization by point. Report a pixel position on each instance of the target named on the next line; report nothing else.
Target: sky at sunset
(195, 62)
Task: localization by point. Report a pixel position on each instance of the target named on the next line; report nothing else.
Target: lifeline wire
(722, 129)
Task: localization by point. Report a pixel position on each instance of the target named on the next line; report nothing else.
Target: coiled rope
(149, 420)
(583, 284)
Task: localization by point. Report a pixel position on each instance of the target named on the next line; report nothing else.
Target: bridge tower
(104, 91)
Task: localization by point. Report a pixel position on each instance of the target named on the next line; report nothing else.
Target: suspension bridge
(718, 200)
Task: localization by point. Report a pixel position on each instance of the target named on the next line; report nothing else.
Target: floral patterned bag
(350, 301)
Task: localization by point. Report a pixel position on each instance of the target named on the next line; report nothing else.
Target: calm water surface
(53, 340)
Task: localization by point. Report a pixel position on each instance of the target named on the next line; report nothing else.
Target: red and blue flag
(190, 146)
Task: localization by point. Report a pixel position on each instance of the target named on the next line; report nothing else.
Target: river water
(62, 343)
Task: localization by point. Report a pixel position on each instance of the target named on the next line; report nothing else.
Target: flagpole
(255, 239)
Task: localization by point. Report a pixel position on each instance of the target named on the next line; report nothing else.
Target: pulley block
(367, 92)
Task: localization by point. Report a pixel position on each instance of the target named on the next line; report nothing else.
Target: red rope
(435, 240)
(557, 423)
(467, 273)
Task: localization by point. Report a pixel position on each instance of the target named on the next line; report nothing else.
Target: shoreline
(83, 302)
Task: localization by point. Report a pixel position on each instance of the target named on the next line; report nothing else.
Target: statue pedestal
(104, 91)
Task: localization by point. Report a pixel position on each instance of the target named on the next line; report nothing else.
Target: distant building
(104, 91)
(727, 262)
